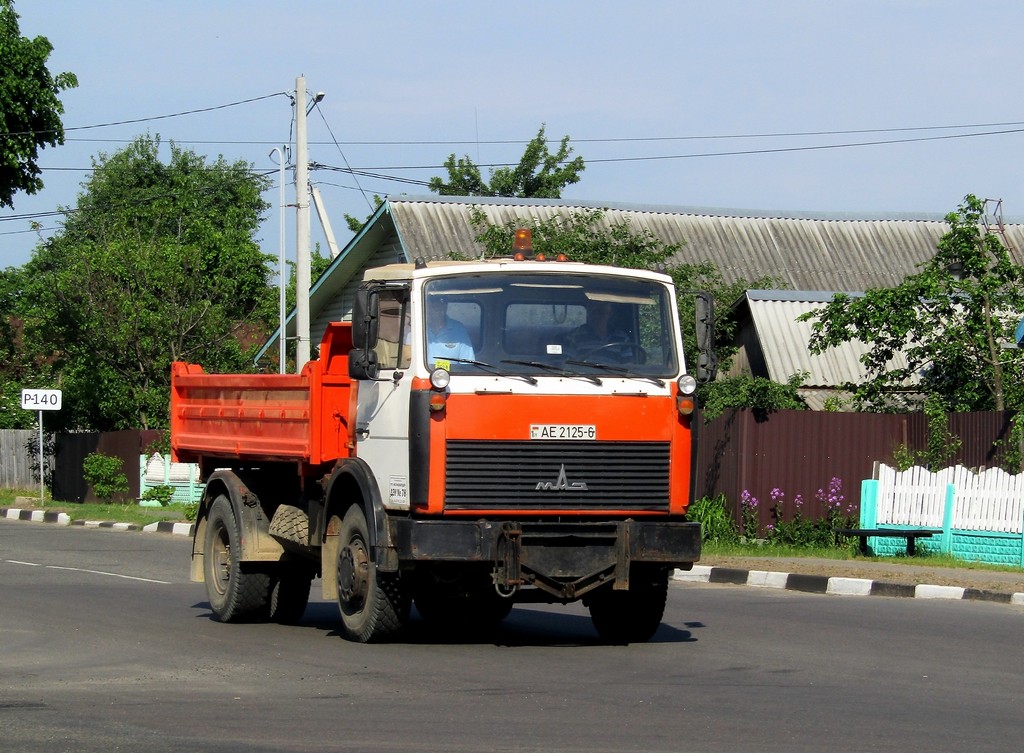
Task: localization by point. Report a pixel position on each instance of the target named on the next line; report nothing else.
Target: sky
(856, 107)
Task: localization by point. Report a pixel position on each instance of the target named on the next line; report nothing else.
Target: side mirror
(707, 364)
(366, 318)
(362, 364)
(362, 359)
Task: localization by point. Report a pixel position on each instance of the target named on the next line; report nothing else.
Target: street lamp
(281, 276)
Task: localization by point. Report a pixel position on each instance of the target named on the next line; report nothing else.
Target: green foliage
(580, 236)
(161, 445)
(355, 224)
(105, 475)
(158, 263)
(941, 445)
(717, 525)
(162, 494)
(949, 326)
(1013, 445)
(762, 396)
(18, 369)
(29, 108)
(539, 174)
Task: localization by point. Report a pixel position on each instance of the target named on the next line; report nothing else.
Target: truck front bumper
(565, 560)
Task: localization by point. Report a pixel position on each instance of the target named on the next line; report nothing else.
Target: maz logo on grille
(561, 484)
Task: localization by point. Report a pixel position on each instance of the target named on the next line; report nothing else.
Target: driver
(447, 338)
(597, 331)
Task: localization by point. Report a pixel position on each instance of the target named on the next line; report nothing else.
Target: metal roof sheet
(783, 340)
(804, 251)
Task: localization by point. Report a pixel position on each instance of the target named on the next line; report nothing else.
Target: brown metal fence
(800, 452)
(71, 450)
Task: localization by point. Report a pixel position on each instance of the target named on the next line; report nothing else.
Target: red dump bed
(299, 417)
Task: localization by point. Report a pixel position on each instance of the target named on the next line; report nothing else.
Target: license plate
(563, 431)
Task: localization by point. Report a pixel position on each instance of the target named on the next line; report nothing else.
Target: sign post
(40, 400)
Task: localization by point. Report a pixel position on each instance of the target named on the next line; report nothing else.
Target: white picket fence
(992, 500)
(183, 478)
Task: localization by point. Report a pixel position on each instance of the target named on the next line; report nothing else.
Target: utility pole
(302, 252)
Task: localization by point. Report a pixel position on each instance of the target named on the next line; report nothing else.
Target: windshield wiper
(617, 370)
(490, 368)
(556, 370)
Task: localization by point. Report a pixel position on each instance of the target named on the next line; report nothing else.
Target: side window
(393, 345)
(652, 333)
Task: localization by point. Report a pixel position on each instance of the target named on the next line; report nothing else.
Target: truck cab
(481, 434)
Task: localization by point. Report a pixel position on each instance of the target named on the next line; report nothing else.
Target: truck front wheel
(373, 605)
(631, 616)
(234, 595)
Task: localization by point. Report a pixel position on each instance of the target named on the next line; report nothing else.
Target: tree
(539, 174)
(157, 263)
(29, 109)
(948, 320)
(16, 367)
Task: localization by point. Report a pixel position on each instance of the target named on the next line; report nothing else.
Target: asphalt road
(106, 646)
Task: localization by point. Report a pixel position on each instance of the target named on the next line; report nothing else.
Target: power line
(611, 140)
(152, 117)
(316, 104)
(694, 155)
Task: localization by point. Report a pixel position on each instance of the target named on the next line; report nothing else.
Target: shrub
(105, 475)
(162, 494)
(716, 523)
(799, 531)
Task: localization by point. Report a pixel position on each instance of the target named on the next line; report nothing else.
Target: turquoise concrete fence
(981, 514)
(183, 478)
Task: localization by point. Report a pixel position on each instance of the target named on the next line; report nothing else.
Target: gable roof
(773, 343)
(804, 251)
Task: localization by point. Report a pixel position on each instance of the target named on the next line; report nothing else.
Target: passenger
(447, 338)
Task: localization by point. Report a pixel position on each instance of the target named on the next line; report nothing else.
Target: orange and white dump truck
(537, 462)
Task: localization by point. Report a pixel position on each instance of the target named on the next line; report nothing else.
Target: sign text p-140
(41, 399)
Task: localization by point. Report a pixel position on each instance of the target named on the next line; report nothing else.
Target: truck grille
(555, 475)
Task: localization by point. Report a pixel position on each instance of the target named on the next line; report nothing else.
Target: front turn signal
(685, 404)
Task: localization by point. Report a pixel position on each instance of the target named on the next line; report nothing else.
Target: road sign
(41, 399)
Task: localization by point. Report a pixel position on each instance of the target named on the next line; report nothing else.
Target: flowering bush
(799, 530)
(749, 514)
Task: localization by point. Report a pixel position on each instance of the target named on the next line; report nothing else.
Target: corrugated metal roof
(804, 251)
(783, 341)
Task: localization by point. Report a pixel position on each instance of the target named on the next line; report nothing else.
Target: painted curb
(839, 586)
(37, 516)
(61, 518)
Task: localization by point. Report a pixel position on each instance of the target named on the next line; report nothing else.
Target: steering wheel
(622, 349)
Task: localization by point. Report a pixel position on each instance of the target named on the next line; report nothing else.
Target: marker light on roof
(523, 240)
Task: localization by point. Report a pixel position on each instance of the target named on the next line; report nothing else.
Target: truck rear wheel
(373, 605)
(631, 616)
(234, 595)
(289, 595)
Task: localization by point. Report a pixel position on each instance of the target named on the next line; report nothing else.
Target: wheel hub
(354, 573)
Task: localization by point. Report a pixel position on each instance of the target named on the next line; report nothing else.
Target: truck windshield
(550, 323)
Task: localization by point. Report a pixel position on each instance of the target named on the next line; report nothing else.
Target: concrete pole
(302, 252)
